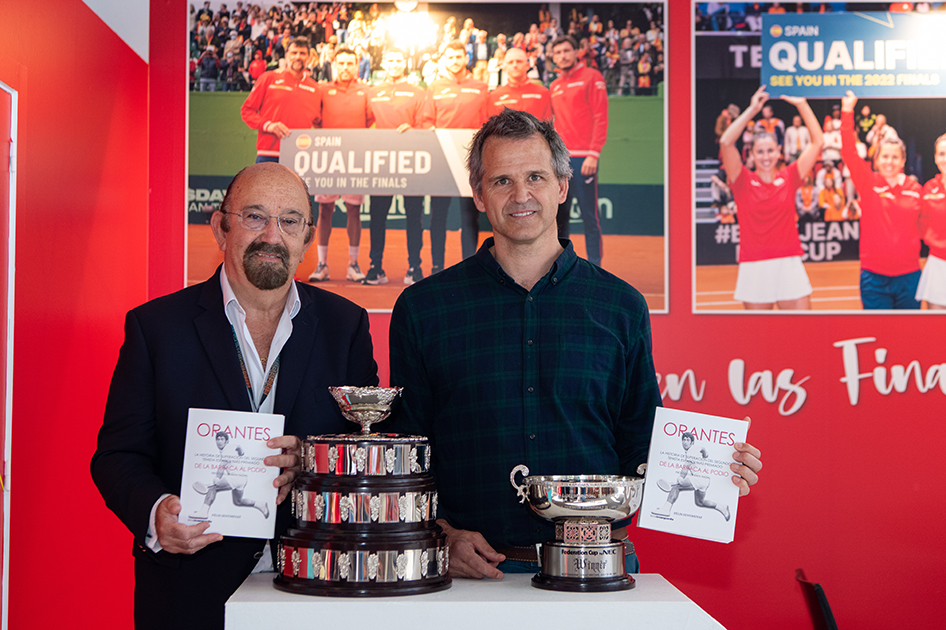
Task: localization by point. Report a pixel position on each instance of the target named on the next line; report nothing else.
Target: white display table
(513, 603)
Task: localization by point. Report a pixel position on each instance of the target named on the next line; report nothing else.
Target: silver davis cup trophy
(583, 556)
(365, 509)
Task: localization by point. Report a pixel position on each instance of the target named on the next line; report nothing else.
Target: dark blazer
(179, 353)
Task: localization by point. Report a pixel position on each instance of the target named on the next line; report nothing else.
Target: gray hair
(516, 125)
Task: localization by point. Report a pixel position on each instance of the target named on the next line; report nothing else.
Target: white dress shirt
(254, 365)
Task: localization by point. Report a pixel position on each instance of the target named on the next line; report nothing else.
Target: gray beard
(265, 276)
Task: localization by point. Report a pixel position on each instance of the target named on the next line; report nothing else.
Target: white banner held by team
(380, 161)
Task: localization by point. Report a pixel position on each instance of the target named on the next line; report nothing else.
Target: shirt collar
(291, 78)
(293, 305)
(562, 265)
(568, 74)
(449, 77)
(352, 85)
(513, 84)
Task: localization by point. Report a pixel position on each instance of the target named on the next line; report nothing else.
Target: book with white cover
(688, 488)
(224, 480)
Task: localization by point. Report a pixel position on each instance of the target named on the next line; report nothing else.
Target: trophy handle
(520, 490)
(642, 469)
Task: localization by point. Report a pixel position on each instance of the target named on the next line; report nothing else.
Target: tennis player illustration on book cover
(692, 476)
(230, 476)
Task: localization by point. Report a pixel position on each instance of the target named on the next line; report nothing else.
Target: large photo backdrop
(631, 192)
(891, 61)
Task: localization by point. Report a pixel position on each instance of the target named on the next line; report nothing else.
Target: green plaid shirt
(559, 378)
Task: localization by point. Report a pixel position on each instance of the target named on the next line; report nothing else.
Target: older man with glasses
(248, 339)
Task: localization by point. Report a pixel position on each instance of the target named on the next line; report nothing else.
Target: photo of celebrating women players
(866, 227)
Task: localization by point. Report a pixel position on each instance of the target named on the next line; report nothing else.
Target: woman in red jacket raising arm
(890, 212)
(770, 267)
(932, 286)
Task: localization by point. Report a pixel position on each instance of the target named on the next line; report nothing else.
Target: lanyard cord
(270, 379)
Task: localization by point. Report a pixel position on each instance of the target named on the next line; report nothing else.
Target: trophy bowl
(583, 557)
(555, 497)
(365, 405)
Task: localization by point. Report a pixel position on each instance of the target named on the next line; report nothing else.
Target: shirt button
(529, 298)
(554, 280)
(530, 389)
(532, 436)
(529, 342)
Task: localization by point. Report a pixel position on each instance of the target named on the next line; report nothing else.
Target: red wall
(92, 242)
(82, 218)
(6, 138)
(167, 111)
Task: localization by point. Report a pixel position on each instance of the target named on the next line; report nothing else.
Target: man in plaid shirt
(523, 354)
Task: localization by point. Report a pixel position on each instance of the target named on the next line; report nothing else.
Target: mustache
(268, 248)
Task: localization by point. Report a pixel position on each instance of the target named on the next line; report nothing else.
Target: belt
(529, 554)
(520, 554)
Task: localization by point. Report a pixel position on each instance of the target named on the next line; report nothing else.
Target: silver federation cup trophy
(365, 509)
(583, 557)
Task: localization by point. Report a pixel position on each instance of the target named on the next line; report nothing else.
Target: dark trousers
(585, 190)
(181, 592)
(469, 228)
(413, 214)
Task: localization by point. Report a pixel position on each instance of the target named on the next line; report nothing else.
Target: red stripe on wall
(82, 221)
(167, 148)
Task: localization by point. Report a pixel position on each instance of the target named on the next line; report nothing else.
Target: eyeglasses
(291, 225)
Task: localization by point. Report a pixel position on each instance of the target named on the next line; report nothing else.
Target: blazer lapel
(216, 336)
(296, 355)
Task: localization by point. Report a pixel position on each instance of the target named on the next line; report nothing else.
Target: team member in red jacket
(396, 104)
(344, 106)
(890, 212)
(932, 287)
(519, 92)
(770, 267)
(455, 100)
(281, 101)
(580, 106)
